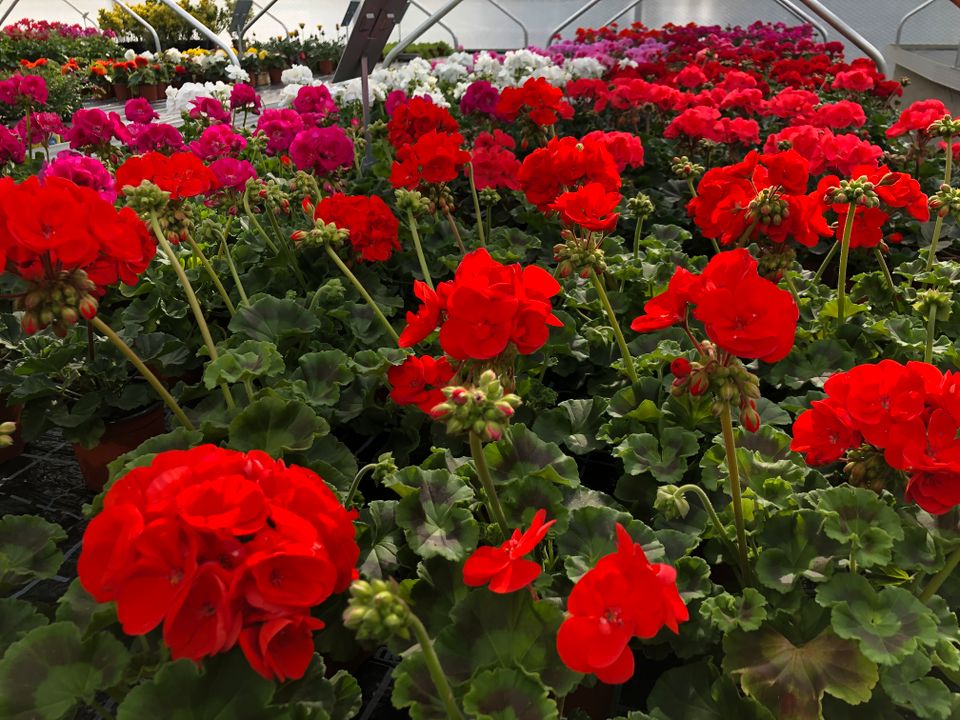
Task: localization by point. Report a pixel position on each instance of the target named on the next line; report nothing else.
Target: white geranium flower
(129, 55)
(289, 93)
(438, 98)
(449, 72)
(584, 67)
(297, 75)
(173, 55)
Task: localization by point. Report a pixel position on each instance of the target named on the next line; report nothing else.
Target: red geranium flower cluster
(590, 207)
(622, 597)
(824, 150)
(706, 123)
(564, 164)
(917, 118)
(221, 547)
(895, 190)
(372, 226)
(183, 175)
(764, 195)
(910, 413)
(626, 148)
(494, 164)
(504, 569)
(56, 225)
(485, 308)
(435, 157)
(419, 380)
(742, 313)
(414, 118)
(537, 100)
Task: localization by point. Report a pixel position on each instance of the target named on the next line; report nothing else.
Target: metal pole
(8, 11)
(578, 13)
(148, 26)
(418, 6)
(263, 11)
(277, 20)
(803, 17)
(420, 30)
(903, 20)
(203, 30)
(84, 16)
(841, 26)
(620, 14)
(365, 101)
(501, 8)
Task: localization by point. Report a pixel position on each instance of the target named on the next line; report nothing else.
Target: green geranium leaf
(491, 631)
(664, 458)
(592, 534)
(28, 549)
(381, 541)
(728, 612)
(224, 687)
(17, 618)
(274, 320)
(413, 688)
(521, 453)
(762, 457)
(790, 679)
(889, 624)
(45, 673)
(77, 606)
(700, 692)
(908, 686)
(574, 424)
(330, 459)
(693, 577)
(177, 439)
(251, 360)
(434, 521)
(275, 426)
(793, 547)
(830, 309)
(817, 361)
(323, 374)
(507, 694)
(317, 697)
(858, 518)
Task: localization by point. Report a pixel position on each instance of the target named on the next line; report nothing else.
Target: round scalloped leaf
(76, 605)
(17, 618)
(50, 669)
(792, 547)
(521, 453)
(699, 692)
(433, 520)
(276, 426)
(505, 694)
(663, 457)
(323, 374)
(413, 688)
(728, 612)
(858, 518)
(273, 320)
(909, 686)
(592, 534)
(252, 359)
(28, 549)
(791, 680)
(573, 423)
(889, 624)
(317, 697)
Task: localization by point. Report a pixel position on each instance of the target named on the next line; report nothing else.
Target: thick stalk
(287, 250)
(714, 518)
(135, 360)
(415, 234)
(456, 232)
(191, 300)
(788, 281)
(489, 489)
(844, 256)
(826, 261)
(693, 190)
(931, 331)
(938, 225)
(355, 485)
(231, 308)
(476, 205)
(436, 671)
(363, 292)
(617, 332)
(636, 239)
(244, 300)
(889, 277)
(733, 471)
(256, 223)
(937, 580)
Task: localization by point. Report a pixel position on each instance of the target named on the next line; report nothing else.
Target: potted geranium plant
(144, 79)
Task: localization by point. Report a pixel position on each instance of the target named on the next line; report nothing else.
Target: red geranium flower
(537, 99)
(280, 648)
(435, 157)
(372, 225)
(564, 164)
(183, 175)
(415, 118)
(591, 207)
(504, 569)
(424, 321)
(418, 381)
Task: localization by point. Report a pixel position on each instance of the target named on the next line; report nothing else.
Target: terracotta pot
(11, 414)
(162, 90)
(119, 437)
(122, 91)
(263, 78)
(150, 93)
(325, 67)
(275, 74)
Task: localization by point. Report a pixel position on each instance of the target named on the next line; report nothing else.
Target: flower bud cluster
(320, 234)
(146, 198)
(576, 256)
(671, 502)
(484, 409)
(489, 196)
(377, 610)
(860, 192)
(945, 127)
(928, 299)
(683, 168)
(57, 302)
(774, 259)
(867, 468)
(640, 207)
(7, 430)
(768, 207)
(411, 200)
(277, 196)
(946, 201)
(731, 384)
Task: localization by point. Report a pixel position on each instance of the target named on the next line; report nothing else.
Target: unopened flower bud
(699, 382)
(750, 418)
(671, 502)
(680, 367)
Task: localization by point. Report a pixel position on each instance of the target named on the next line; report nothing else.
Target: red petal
(515, 576)
(483, 564)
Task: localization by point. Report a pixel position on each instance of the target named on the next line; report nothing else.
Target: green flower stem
(733, 471)
(889, 277)
(456, 232)
(244, 300)
(355, 485)
(489, 489)
(938, 226)
(618, 333)
(415, 234)
(191, 300)
(788, 281)
(714, 518)
(286, 249)
(248, 389)
(745, 237)
(489, 220)
(476, 205)
(844, 256)
(693, 190)
(433, 666)
(135, 360)
(231, 308)
(636, 239)
(937, 580)
(256, 223)
(826, 261)
(362, 290)
(931, 331)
